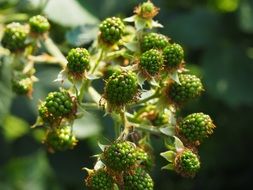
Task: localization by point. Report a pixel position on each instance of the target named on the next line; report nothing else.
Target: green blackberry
(39, 24)
(154, 41)
(120, 156)
(78, 61)
(186, 163)
(59, 104)
(111, 30)
(146, 10)
(173, 55)
(196, 127)
(138, 179)
(99, 180)
(22, 86)
(15, 36)
(61, 138)
(189, 88)
(121, 88)
(151, 62)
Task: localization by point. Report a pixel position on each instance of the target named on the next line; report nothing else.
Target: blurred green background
(218, 39)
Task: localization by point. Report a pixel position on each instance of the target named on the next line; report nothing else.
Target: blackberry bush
(143, 84)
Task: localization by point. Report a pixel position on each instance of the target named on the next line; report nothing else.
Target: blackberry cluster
(151, 62)
(61, 138)
(39, 24)
(189, 88)
(154, 41)
(111, 29)
(78, 61)
(138, 179)
(196, 127)
(100, 180)
(121, 88)
(187, 163)
(15, 36)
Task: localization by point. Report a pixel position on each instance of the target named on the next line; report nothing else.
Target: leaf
(168, 155)
(74, 14)
(246, 16)
(6, 94)
(174, 76)
(82, 35)
(87, 126)
(178, 144)
(14, 127)
(132, 46)
(168, 167)
(169, 131)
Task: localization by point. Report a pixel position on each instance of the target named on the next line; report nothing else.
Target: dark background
(217, 36)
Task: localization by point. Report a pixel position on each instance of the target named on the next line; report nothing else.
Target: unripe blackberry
(154, 41)
(15, 36)
(151, 62)
(196, 127)
(173, 55)
(120, 156)
(110, 70)
(39, 24)
(111, 30)
(78, 61)
(61, 138)
(189, 88)
(186, 163)
(121, 88)
(43, 112)
(138, 179)
(99, 180)
(59, 104)
(146, 10)
(22, 86)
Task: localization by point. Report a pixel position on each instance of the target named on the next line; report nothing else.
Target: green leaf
(6, 94)
(168, 155)
(246, 16)
(74, 13)
(14, 127)
(87, 126)
(82, 35)
(168, 167)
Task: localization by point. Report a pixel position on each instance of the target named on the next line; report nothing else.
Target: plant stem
(98, 61)
(94, 95)
(155, 95)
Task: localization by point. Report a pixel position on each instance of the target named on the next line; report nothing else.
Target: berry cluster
(145, 84)
(123, 166)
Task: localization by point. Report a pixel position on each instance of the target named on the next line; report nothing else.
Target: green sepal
(168, 167)
(168, 155)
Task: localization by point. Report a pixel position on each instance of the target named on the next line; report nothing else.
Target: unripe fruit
(39, 24)
(99, 180)
(111, 30)
(15, 36)
(196, 127)
(61, 138)
(146, 10)
(189, 88)
(22, 86)
(173, 55)
(59, 104)
(120, 156)
(121, 88)
(151, 62)
(138, 179)
(186, 163)
(154, 41)
(78, 61)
